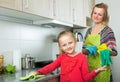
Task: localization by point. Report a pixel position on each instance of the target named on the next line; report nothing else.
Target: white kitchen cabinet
(89, 6)
(38, 7)
(56, 9)
(62, 10)
(12, 4)
(65, 11)
(82, 11)
(78, 12)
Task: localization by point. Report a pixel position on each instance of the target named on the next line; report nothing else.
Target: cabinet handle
(26, 4)
(54, 8)
(73, 15)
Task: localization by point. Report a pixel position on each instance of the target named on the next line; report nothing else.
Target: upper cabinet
(78, 12)
(69, 11)
(82, 12)
(56, 9)
(89, 6)
(13, 4)
(62, 10)
(38, 7)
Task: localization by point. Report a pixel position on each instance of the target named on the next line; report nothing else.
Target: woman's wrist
(85, 51)
(113, 53)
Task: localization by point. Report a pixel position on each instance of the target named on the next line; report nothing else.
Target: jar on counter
(1, 63)
(28, 62)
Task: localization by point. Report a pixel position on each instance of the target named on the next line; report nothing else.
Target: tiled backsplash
(28, 39)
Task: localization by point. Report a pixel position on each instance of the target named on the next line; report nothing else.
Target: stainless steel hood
(52, 23)
(27, 18)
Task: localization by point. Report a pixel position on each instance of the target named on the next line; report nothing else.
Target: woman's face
(67, 44)
(98, 15)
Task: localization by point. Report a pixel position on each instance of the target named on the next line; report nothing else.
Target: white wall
(37, 41)
(114, 13)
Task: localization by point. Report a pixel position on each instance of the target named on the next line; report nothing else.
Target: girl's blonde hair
(66, 32)
(105, 7)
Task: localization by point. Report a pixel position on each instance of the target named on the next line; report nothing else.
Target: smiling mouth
(69, 49)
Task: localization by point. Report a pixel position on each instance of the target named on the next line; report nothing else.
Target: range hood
(52, 23)
(27, 18)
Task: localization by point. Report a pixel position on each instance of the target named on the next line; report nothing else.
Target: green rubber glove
(105, 57)
(92, 49)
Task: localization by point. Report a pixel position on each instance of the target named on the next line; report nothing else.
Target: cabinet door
(89, 6)
(38, 7)
(12, 4)
(62, 10)
(78, 12)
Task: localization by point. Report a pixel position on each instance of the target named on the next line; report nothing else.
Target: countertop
(15, 77)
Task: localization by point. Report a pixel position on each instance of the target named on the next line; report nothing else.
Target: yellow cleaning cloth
(31, 77)
(102, 47)
(104, 52)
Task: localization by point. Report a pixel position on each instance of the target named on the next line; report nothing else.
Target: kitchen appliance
(40, 64)
(78, 36)
(28, 62)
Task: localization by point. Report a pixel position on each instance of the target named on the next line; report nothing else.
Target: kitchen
(35, 39)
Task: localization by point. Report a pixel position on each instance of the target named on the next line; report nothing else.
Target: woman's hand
(85, 51)
(113, 53)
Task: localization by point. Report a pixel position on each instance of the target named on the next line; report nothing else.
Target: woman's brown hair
(105, 7)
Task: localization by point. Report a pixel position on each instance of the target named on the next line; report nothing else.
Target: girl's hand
(101, 69)
(33, 73)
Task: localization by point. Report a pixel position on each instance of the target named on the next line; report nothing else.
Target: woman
(100, 33)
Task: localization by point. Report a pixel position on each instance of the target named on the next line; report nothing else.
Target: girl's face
(98, 15)
(67, 44)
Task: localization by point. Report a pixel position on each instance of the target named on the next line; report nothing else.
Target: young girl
(74, 66)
